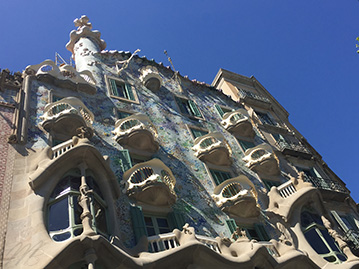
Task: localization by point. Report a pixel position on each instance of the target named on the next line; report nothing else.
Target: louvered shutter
(138, 222)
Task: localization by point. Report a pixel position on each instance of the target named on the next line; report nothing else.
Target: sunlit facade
(120, 162)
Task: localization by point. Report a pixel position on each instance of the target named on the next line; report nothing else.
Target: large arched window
(64, 211)
(319, 238)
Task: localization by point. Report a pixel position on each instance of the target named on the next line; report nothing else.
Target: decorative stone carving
(150, 182)
(213, 148)
(84, 29)
(151, 78)
(262, 160)
(284, 198)
(68, 117)
(237, 196)
(136, 132)
(238, 122)
(64, 76)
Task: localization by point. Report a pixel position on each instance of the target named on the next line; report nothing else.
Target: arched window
(319, 238)
(64, 211)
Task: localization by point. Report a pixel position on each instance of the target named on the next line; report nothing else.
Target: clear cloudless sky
(303, 52)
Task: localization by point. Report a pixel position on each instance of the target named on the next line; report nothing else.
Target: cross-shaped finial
(83, 21)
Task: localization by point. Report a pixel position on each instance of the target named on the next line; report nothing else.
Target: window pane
(148, 221)
(253, 234)
(77, 209)
(162, 222)
(78, 231)
(100, 217)
(59, 215)
(329, 240)
(61, 237)
(316, 242)
(150, 231)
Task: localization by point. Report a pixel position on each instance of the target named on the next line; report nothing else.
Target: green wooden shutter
(113, 87)
(262, 233)
(138, 222)
(232, 226)
(339, 220)
(129, 92)
(194, 109)
(219, 110)
(124, 160)
(177, 220)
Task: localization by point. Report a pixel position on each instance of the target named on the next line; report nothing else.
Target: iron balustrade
(283, 145)
(325, 184)
(244, 94)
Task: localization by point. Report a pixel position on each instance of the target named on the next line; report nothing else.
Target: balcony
(212, 148)
(67, 117)
(253, 98)
(136, 132)
(238, 122)
(286, 197)
(237, 196)
(150, 182)
(293, 149)
(262, 160)
(326, 184)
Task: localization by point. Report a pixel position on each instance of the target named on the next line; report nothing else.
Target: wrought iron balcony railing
(248, 94)
(282, 145)
(325, 184)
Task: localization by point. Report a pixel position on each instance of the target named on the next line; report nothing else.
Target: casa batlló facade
(123, 163)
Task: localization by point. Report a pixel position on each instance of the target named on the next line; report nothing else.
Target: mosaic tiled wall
(194, 186)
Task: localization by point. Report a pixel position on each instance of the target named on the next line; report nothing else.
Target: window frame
(192, 113)
(318, 228)
(192, 127)
(108, 80)
(271, 121)
(215, 169)
(70, 195)
(220, 107)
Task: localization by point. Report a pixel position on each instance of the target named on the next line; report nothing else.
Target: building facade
(122, 162)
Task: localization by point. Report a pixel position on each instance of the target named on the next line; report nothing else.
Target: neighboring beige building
(123, 163)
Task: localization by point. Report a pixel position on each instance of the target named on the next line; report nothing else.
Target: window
(270, 183)
(255, 232)
(122, 90)
(64, 211)
(318, 237)
(197, 132)
(265, 118)
(156, 225)
(245, 144)
(222, 110)
(148, 225)
(188, 107)
(219, 176)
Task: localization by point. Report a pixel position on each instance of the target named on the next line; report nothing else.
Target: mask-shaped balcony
(237, 196)
(67, 117)
(237, 122)
(261, 159)
(212, 148)
(285, 198)
(150, 182)
(136, 132)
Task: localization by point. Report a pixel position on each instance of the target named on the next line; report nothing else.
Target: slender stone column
(84, 202)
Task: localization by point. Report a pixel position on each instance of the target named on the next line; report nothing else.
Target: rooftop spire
(84, 29)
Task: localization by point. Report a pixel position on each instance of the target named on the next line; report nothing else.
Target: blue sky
(303, 52)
